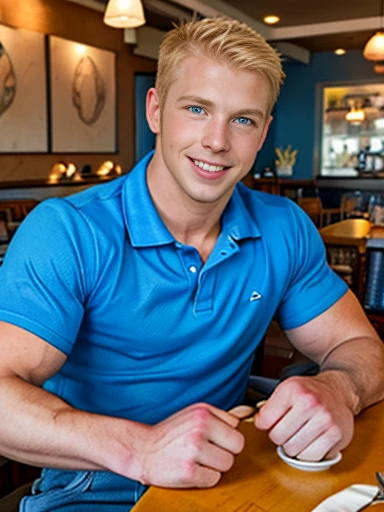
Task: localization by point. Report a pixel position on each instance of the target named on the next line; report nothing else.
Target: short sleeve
(314, 286)
(47, 273)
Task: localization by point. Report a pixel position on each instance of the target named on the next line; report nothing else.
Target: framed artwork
(23, 91)
(82, 98)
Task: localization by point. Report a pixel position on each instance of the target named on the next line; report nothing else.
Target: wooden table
(349, 238)
(260, 482)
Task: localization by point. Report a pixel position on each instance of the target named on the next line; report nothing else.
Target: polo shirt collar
(237, 221)
(146, 228)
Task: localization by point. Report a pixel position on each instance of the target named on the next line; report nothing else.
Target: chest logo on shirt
(255, 296)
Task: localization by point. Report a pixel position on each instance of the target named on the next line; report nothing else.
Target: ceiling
(307, 25)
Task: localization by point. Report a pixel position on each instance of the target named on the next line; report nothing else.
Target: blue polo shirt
(146, 327)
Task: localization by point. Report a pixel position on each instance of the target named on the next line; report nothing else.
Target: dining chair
(11, 502)
(374, 288)
(352, 205)
(313, 208)
(17, 209)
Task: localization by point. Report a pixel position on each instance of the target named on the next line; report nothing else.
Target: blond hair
(225, 40)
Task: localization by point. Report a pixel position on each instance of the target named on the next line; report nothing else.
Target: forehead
(221, 84)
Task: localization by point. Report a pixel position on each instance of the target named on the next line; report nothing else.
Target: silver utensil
(379, 498)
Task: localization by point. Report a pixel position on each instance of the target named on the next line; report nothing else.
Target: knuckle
(200, 414)
(196, 440)
(309, 401)
(188, 472)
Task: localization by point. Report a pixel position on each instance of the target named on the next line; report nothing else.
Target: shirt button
(193, 269)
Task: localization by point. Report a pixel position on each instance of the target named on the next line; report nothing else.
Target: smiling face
(212, 124)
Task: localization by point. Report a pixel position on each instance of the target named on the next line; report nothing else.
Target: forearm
(357, 368)
(40, 429)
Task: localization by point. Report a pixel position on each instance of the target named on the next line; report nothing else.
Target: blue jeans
(82, 491)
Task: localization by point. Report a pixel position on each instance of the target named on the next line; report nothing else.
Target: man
(131, 312)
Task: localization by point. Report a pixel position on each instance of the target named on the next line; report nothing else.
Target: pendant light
(374, 49)
(124, 14)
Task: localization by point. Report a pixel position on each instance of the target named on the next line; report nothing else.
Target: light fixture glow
(271, 19)
(124, 14)
(355, 116)
(379, 67)
(374, 49)
(81, 49)
(340, 51)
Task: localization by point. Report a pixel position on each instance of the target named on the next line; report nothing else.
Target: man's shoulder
(264, 206)
(104, 193)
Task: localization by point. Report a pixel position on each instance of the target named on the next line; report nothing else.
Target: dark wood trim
(46, 183)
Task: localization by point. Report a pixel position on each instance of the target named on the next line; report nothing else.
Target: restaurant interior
(324, 150)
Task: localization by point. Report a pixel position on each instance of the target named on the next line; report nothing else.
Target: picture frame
(82, 98)
(23, 91)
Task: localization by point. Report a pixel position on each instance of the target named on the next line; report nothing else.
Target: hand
(192, 448)
(308, 416)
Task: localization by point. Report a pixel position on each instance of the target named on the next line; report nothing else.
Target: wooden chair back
(17, 209)
(314, 209)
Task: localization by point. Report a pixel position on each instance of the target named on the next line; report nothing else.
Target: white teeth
(207, 167)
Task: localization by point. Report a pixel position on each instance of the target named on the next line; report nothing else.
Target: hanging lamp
(374, 49)
(124, 14)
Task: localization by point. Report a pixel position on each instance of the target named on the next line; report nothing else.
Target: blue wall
(294, 115)
(144, 138)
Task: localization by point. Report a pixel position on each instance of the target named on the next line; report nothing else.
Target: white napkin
(351, 499)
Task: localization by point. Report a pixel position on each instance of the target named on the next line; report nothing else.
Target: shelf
(45, 183)
(352, 135)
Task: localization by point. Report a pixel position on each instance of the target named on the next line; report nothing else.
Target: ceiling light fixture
(271, 19)
(124, 14)
(340, 51)
(374, 49)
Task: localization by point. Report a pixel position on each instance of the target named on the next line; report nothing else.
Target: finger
(242, 411)
(205, 477)
(291, 426)
(321, 424)
(321, 446)
(226, 437)
(227, 417)
(246, 412)
(274, 409)
(217, 458)
(203, 410)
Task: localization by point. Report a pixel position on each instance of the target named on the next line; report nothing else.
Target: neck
(191, 222)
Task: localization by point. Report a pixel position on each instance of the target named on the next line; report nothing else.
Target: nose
(216, 136)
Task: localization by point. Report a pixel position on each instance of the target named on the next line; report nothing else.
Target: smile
(207, 167)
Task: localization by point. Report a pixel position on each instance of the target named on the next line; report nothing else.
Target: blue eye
(243, 120)
(196, 110)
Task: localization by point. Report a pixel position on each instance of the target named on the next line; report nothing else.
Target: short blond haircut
(226, 41)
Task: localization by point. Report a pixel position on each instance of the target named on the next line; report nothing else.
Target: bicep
(345, 320)
(27, 356)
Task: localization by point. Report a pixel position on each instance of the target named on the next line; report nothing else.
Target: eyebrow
(207, 103)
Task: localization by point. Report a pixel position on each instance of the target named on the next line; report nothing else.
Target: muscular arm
(191, 448)
(313, 416)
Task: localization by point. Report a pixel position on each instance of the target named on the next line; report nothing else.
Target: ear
(265, 131)
(153, 110)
